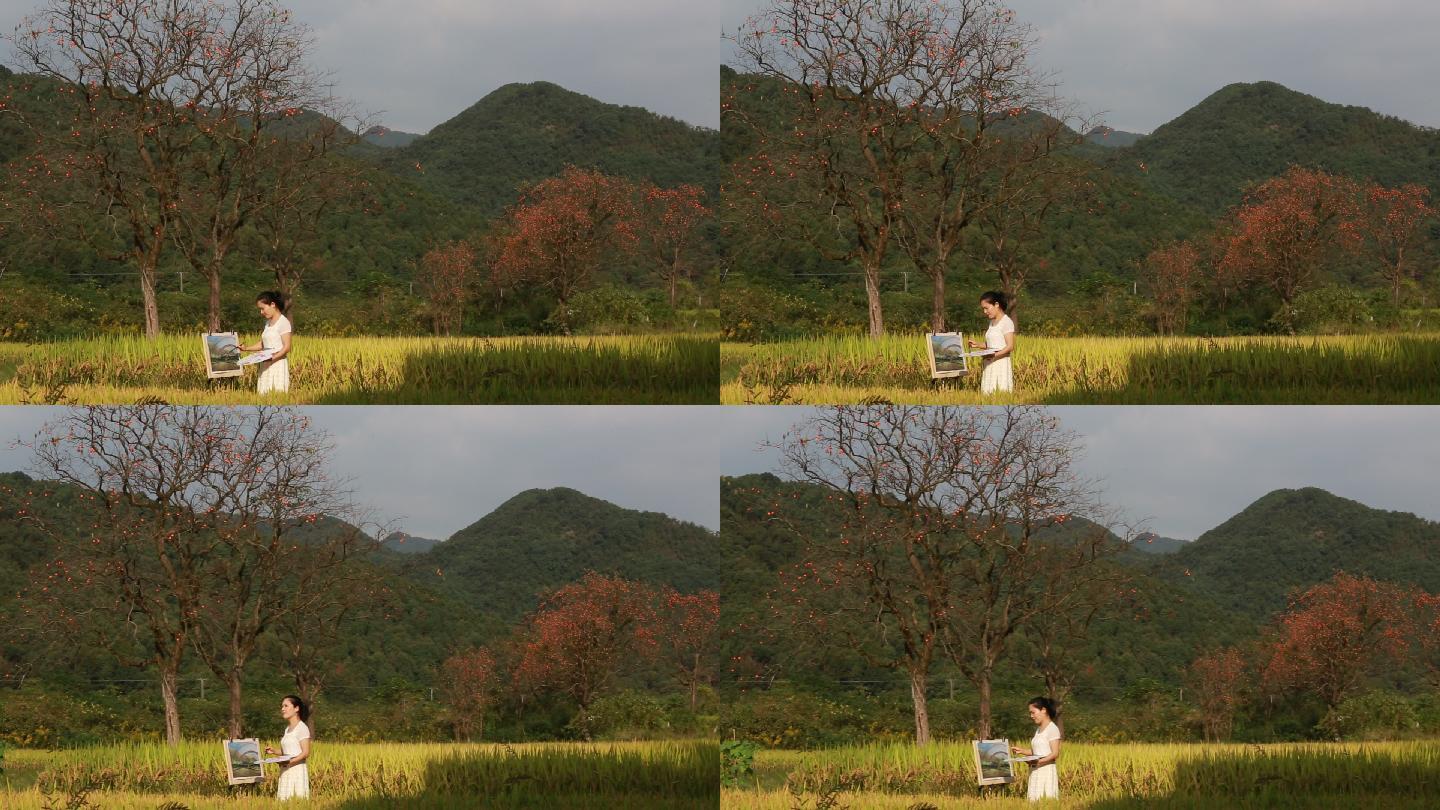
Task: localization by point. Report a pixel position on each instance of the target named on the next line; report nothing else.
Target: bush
(603, 310)
(1374, 715)
(1332, 310)
(629, 715)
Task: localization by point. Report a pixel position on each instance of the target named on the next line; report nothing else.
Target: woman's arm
(284, 347)
(1054, 755)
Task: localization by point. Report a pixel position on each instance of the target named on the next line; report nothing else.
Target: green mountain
(1295, 538)
(469, 589)
(522, 133)
(544, 538)
(388, 138)
(402, 543)
(1114, 138)
(1245, 133)
(1151, 543)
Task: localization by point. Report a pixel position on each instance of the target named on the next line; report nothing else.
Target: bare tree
(176, 105)
(215, 526)
(955, 537)
(838, 63)
(903, 120)
(269, 122)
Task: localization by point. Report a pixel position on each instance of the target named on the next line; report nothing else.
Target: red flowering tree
(446, 273)
(954, 537)
(1218, 680)
(1336, 633)
(1289, 228)
(467, 680)
(1173, 271)
(668, 222)
(561, 230)
(581, 636)
(686, 626)
(1393, 223)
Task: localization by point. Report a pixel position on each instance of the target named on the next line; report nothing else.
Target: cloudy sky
(1187, 469)
(1143, 62)
(417, 63)
(436, 470)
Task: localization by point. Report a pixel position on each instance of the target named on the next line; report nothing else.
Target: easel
(938, 378)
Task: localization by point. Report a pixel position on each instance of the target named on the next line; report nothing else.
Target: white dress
(295, 780)
(275, 375)
(997, 375)
(1044, 782)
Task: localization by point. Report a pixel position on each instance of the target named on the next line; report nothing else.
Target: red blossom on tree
(445, 276)
(668, 221)
(1173, 271)
(467, 683)
(686, 630)
(1218, 678)
(1288, 229)
(1336, 633)
(561, 230)
(582, 635)
(1392, 223)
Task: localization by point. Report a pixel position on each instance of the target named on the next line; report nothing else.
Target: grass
(1382, 368)
(649, 369)
(681, 774)
(900, 775)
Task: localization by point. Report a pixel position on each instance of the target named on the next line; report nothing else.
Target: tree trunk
(872, 298)
(937, 299)
(147, 294)
(237, 721)
(212, 275)
(694, 682)
(922, 710)
(169, 682)
(674, 281)
(983, 682)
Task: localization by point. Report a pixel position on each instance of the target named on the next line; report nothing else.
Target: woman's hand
(270, 752)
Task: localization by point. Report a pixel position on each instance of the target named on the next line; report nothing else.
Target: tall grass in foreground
(680, 771)
(623, 369)
(1348, 369)
(1293, 775)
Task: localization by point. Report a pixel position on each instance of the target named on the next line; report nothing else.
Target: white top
(995, 335)
(270, 338)
(290, 743)
(1040, 743)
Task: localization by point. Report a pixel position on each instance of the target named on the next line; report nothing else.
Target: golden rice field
(1381, 368)
(1108, 777)
(648, 369)
(678, 774)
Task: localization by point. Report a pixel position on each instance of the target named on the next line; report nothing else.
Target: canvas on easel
(222, 355)
(948, 357)
(242, 762)
(993, 765)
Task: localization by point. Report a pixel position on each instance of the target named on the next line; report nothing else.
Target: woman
(1044, 778)
(275, 372)
(1000, 337)
(294, 773)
